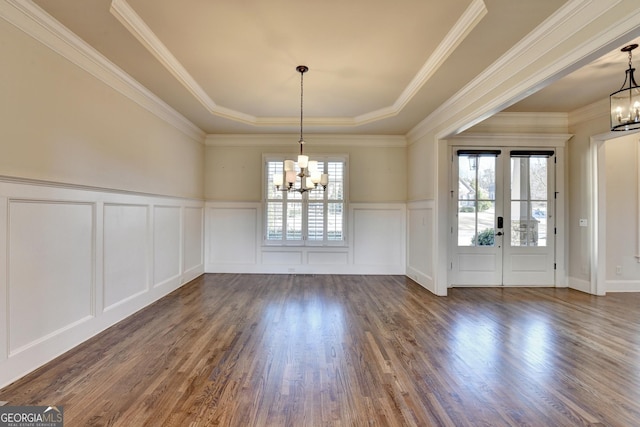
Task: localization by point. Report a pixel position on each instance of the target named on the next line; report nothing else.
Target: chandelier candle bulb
(291, 177)
(324, 179)
(289, 165)
(278, 180)
(303, 161)
(315, 177)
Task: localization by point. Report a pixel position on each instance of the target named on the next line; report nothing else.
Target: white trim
(589, 112)
(623, 286)
(598, 207)
(560, 218)
(507, 141)
(30, 18)
(511, 139)
(43, 348)
(290, 140)
(521, 122)
(597, 237)
(136, 25)
(310, 259)
(4, 277)
(465, 24)
(637, 146)
(64, 185)
(562, 25)
(421, 277)
(579, 284)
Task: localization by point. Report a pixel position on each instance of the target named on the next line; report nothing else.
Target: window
(477, 197)
(315, 217)
(529, 197)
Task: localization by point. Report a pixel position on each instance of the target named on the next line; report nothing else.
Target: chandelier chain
(301, 107)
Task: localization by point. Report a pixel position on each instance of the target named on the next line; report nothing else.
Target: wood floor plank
(305, 350)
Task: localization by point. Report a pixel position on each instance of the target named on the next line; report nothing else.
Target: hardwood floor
(285, 350)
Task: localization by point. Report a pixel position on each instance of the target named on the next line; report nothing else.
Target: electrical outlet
(583, 222)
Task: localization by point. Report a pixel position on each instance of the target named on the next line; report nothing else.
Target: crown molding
(512, 139)
(32, 20)
(291, 140)
(467, 22)
(569, 19)
(523, 122)
(128, 17)
(590, 112)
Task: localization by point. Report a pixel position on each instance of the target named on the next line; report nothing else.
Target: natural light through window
(316, 217)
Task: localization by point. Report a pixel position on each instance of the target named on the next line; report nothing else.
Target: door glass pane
(476, 200)
(466, 222)
(538, 177)
(539, 213)
(528, 224)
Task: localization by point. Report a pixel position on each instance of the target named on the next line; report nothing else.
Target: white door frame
(598, 206)
(550, 141)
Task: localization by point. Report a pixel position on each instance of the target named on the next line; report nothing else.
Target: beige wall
(621, 192)
(622, 207)
(58, 123)
(377, 165)
(421, 169)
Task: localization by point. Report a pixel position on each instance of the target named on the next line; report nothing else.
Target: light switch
(583, 222)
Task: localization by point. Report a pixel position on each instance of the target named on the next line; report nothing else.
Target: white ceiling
(376, 67)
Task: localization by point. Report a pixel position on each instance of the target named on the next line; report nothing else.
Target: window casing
(312, 218)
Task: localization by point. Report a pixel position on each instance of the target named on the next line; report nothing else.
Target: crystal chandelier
(305, 175)
(625, 103)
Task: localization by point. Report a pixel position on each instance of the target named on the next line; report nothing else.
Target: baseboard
(623, 286)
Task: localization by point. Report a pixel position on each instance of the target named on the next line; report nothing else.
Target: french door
(503, 229)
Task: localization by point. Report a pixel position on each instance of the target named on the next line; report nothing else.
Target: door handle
(499, 233)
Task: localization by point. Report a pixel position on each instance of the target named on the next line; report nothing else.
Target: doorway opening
(503, 201)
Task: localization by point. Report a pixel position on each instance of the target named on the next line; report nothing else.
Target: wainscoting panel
(193, 241)
(378, 233)
(50, 269)
(420, 243)
(231, 236)
(291, 258)
(166, 244)
(376, 244)
(76, 260)
(332, 257)
(126, 252)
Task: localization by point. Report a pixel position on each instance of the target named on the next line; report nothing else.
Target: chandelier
(625, 103)
(303, 175)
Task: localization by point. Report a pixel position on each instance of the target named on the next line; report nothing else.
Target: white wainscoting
(420, 219)
(376, 242)
(77, 260)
